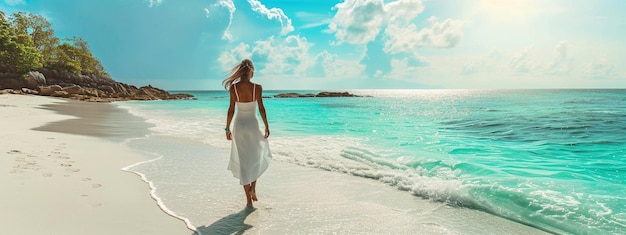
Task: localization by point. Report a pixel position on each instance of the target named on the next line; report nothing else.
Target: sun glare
(506, 9)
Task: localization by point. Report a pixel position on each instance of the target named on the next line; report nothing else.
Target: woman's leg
(246, 189)
(253, 191)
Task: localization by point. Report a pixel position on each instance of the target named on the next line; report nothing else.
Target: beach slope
(56, 183)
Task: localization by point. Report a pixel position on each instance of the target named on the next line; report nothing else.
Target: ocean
(550, 159)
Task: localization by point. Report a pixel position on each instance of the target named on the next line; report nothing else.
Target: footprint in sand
(96, 185)
(14, 152)
(86, 179)
(72, 170)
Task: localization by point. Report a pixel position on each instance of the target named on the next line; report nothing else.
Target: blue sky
(365, 44)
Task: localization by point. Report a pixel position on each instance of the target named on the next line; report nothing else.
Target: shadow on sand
(231, 224)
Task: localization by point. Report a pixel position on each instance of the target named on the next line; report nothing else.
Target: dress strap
(253, 92)
(237, 94)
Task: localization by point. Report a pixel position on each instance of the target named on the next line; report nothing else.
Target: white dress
(250, 152)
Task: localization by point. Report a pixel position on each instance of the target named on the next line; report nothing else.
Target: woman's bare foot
(253, 195)
(247, 189)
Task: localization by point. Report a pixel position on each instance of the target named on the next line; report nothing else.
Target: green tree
(68, 59)
(17, 53)
(40, 31)
(6, 44)
(88, 63)
(28, 42)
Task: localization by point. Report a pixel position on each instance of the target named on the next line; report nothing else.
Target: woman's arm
(230, 113)
(259, 98)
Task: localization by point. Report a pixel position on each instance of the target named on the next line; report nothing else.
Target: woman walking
(250, 154)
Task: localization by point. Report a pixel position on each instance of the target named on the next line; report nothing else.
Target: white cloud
(314, 20)
(562, 63)
(400, 69)
(15, 2)
(154, 3)
(228, 4)
(406, 38)
(336, 68)
(256, 6)
(284, 56)
(289, 58)
(273, 13)
(234, 56)
(361, 21)
(358, 21)
(520, 63)
(403, 10)
(600, 69)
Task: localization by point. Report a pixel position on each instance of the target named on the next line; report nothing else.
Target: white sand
(54, 183)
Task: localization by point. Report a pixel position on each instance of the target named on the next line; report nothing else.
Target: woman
(250, 154)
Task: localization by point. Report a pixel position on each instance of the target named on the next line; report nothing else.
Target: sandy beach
(58, 183)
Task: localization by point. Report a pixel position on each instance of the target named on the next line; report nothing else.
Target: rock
(63, 94)
(74, 90)
(7, 91)
(49, 82)
(321, 94)
(288, 95)
(49, 90)
(29, 91)
(334, 94)
(107, 89)
(34, 79)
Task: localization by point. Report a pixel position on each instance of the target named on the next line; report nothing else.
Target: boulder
(29, 91)
(74, 90)
(321, 94)
(34, 79)
(334, 94)
(7, 91)
(63, 94)
(288, 95)
(49, 90)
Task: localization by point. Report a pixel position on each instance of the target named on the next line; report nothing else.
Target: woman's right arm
(230, 114)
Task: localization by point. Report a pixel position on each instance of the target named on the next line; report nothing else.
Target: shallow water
(552, 159)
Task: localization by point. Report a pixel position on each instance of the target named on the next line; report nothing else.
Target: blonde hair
(242, 71)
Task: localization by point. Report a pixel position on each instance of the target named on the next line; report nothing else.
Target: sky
(350, 44)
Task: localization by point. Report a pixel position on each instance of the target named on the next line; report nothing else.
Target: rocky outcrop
(93, 88)
(293, 95)
(321, 94)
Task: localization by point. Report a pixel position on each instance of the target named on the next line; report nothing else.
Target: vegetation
(28, 42)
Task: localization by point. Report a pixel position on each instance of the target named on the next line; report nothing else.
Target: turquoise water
(552, 159)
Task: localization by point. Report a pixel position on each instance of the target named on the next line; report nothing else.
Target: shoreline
(60, 183)
(315, 200)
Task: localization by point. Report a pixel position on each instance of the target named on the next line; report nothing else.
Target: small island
(34, 61)
(321, 94)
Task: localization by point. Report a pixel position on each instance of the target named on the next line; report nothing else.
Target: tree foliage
(39, 30)
(28, 42)
(17, 53)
